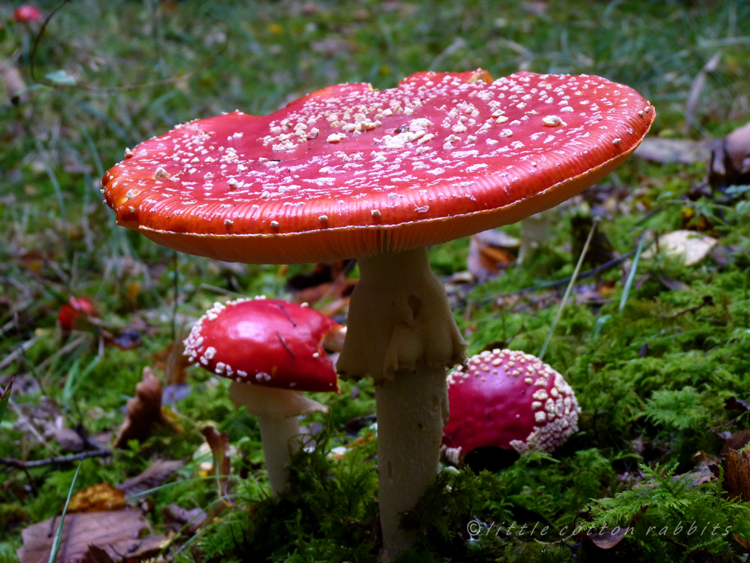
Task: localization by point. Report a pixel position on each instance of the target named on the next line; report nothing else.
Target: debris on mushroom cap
(508, 399)
(265, 342)
(441, 156)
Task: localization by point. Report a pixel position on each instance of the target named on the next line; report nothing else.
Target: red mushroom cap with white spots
(265, 342)
(27, 14)
(351, 171)
(509, 400)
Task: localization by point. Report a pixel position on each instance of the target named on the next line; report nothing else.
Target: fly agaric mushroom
(348, 171)
(75, 314)
(508, 400)
(27, 14)
(270, 350)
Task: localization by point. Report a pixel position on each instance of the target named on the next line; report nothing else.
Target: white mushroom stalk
(269, 349)
(277, 411)
(401, 332)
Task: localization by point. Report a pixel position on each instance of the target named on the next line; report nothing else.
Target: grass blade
(568, 290)
(631, 275)
(58, 535)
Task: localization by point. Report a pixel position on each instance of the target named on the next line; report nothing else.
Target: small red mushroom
(27, 14)
(271, 350)
(75, 313)
(510, 400)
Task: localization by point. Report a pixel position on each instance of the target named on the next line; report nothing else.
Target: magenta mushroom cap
(265, 342)
(510, 400)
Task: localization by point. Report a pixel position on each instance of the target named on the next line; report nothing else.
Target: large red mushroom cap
(265, 342)
(27, 14)
(510, 400)
(349, 171)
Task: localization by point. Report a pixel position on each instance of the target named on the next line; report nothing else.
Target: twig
(73, 344)
(564, 281)
(20, 464)
(30, 425)
(707, 300)
(287, 316)
(18, 352)
(288, 349)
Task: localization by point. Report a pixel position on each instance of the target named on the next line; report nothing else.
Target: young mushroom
(348, 171)
(509, 400)
(271, 350)
(27, 14)
(75, 314)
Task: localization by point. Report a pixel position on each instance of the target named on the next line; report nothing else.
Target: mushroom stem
(279, 437)
(411, 410)
(277, 411)
(401, 332)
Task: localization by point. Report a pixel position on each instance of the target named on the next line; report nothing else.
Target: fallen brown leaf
(335, 307)
(606, 539)
(144, 412)
(96, 554)
(737, 474)
(178, 518)
(172, 361)
(691, 220)
(157, 474)
(743, 542)
(340, 289)
(674, 285)
(486, 256)
(97, 498)
(733, 403)
(68, 439)
(703, 473)
(326, 281)
(219, 444)
(115, 532)
(736, 442)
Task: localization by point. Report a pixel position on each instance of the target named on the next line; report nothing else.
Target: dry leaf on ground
(157, 474)
(172, 361)
(737, 474)
(606, 539)
(487, 254)
(219, 444)
(178, 518)
(116, 532)
(690, 246)
(97, 498)
(144, 412)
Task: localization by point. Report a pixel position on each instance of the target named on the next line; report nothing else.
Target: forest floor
(657, 351)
